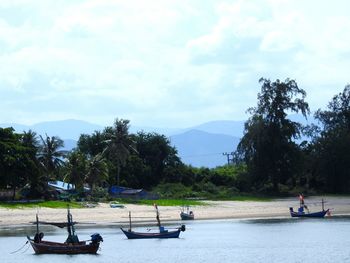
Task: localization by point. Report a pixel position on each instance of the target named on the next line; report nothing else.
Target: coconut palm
(119, 145)
(76, 170)
(97, 171)
(50, 155)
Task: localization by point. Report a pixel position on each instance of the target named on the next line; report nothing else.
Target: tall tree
(97, 171)
(33, 172)
(120, 144)
(267, 146)
(76, 170)
(93, 144)
(50, 155)
(331, 149)
(13, 160)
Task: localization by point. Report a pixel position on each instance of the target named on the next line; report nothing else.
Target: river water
(273, 240)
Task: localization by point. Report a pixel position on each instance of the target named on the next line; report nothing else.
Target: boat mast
(322, 204)
(70, 227)
(157, 215)
(37, 224)
(129, 221)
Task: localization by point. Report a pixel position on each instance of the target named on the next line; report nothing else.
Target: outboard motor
(183, 228)
(38, 237)
(96, 238)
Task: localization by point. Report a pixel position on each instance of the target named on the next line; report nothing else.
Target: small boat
(303, 207)
(116, 205)
(71, 246)
(162, 233)
(186, 215)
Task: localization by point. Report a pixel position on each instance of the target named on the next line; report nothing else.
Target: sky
(165, 63)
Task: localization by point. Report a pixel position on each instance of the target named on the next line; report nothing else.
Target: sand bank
(103, 214)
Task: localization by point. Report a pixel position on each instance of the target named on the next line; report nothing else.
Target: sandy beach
(103, 214)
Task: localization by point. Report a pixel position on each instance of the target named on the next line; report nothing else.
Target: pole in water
(129, 221)
(322, 205)
(37, 224)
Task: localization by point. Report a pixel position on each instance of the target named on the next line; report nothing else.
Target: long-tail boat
(72, 245)
(162, 233)
(303, 207)
(186, 214)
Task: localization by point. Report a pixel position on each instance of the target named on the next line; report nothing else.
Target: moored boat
(162, 233)
(303, 207)
(186, 214)
(71, 246)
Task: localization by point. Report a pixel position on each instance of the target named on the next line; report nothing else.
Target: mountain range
(200, 146)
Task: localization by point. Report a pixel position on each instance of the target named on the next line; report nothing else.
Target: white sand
(104, 214)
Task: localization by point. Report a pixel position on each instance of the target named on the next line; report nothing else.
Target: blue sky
(165, 63)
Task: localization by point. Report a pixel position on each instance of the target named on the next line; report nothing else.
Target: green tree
(76, 170)
(13, 160)
(97, 171)
(268, 146)
(51, 156)
(330, 151)
(156, 153)
(120, 144)
(92, 145)
(33, 171)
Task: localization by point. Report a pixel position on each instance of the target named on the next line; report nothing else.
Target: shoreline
(104, 215)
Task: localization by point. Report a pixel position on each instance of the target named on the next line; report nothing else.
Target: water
(275, 240)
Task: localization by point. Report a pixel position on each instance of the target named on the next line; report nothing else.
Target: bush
(173, 190)
(98, 194)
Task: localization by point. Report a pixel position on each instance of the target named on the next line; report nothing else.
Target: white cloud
(163, 63)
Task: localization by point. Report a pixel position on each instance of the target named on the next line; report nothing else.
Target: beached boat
(71, 246)
(186, 214)
(303, 207)
(162, 233)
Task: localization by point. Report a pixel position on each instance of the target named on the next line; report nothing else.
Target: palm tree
(119, 144)
(34, 170)
(76, 170)
(50, 155)
(97, 171)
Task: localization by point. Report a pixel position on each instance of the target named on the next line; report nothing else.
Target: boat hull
(185, 216)
(47, 247)
(139, 235)
(320, 214)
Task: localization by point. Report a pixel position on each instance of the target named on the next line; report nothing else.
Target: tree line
(275, 155)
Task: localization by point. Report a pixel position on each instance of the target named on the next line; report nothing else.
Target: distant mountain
(232, 128)
(200, 148)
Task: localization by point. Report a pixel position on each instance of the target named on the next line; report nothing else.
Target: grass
(250, 198)
(164, 202)
(48, 204)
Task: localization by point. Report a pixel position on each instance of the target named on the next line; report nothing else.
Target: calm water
(278, 240)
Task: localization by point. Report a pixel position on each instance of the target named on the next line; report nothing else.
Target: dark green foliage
(267, 146)
(330, 151)
(51, 156)
(268, 159)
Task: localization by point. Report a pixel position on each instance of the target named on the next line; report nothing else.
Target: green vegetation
(48, 204)
(273, 157)
(164, 202)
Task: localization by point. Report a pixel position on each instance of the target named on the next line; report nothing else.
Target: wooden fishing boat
(319, 214)
(303, 207)
(71, 246)
(47, 247)
(186, 214)
(162, 233)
